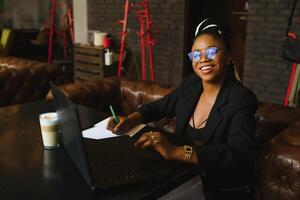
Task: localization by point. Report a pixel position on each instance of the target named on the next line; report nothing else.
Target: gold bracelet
(188, 152)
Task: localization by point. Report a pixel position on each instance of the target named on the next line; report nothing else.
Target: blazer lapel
(215, 116)
(187, 105)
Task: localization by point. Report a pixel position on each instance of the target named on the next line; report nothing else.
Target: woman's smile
(210, 68)
(206, 69)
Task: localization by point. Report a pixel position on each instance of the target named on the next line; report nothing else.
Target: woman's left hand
(159, 142)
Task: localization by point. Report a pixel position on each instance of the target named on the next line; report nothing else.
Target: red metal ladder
(68, 19)
(144, 18)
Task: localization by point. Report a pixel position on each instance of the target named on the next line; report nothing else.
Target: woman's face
(210, 70)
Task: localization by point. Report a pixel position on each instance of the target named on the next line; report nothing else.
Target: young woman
(214, 118)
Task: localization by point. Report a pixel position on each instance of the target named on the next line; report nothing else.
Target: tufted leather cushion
(272, 119)
(275, 112)
(23, 80)
(93, 94)
(280, 167)
(266, 130)
(135, 93)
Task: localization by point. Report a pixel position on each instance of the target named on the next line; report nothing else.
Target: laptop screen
(71, 131)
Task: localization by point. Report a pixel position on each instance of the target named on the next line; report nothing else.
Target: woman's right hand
(125, 123)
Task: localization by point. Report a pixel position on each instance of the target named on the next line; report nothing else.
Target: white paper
(103, 123)
(99, 131)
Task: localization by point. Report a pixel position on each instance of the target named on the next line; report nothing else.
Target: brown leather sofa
(277, 131)
(278, 139)
(23, 80)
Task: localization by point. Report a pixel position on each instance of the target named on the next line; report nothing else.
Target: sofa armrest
(278, 166)
(276, 112)
(23, 80)
(93, 94)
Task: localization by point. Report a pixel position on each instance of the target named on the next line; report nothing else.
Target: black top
(194, 134)
(228, 137)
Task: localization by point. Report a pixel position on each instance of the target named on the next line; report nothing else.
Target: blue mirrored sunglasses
(210, 53)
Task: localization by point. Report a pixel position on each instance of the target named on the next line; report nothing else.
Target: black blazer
(226, 158)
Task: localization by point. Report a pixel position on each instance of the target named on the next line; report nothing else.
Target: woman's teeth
(206, 68)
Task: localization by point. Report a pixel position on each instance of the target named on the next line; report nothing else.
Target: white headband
(197, 29)
(208, 26)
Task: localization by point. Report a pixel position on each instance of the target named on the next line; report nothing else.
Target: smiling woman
(214, 118)
(213, 38)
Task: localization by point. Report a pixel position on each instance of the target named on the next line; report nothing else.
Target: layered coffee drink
(49, 129)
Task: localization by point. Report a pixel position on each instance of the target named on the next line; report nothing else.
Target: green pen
(114, 115)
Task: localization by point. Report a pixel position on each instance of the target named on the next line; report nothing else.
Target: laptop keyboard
(107, 165)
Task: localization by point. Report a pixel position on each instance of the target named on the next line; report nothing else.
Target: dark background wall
(168, 25)
(265, 72)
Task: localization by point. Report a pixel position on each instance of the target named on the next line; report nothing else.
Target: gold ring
(152, 137)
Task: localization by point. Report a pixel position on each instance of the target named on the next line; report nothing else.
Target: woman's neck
(213, 88)
(210, 92)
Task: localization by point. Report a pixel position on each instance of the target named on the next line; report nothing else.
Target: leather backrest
(135, 93)
(23, 80)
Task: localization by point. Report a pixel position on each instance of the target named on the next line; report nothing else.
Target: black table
(28, 171)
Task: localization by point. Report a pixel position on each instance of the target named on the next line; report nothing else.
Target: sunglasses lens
(195, 56)
(211, 52)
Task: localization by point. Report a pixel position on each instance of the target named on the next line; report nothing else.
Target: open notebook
(99, 131)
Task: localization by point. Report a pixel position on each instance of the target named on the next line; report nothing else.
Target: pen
(114, 115)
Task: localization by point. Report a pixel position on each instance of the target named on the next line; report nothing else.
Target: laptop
(105, 163)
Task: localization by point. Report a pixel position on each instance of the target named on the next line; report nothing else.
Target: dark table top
(28, 171)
